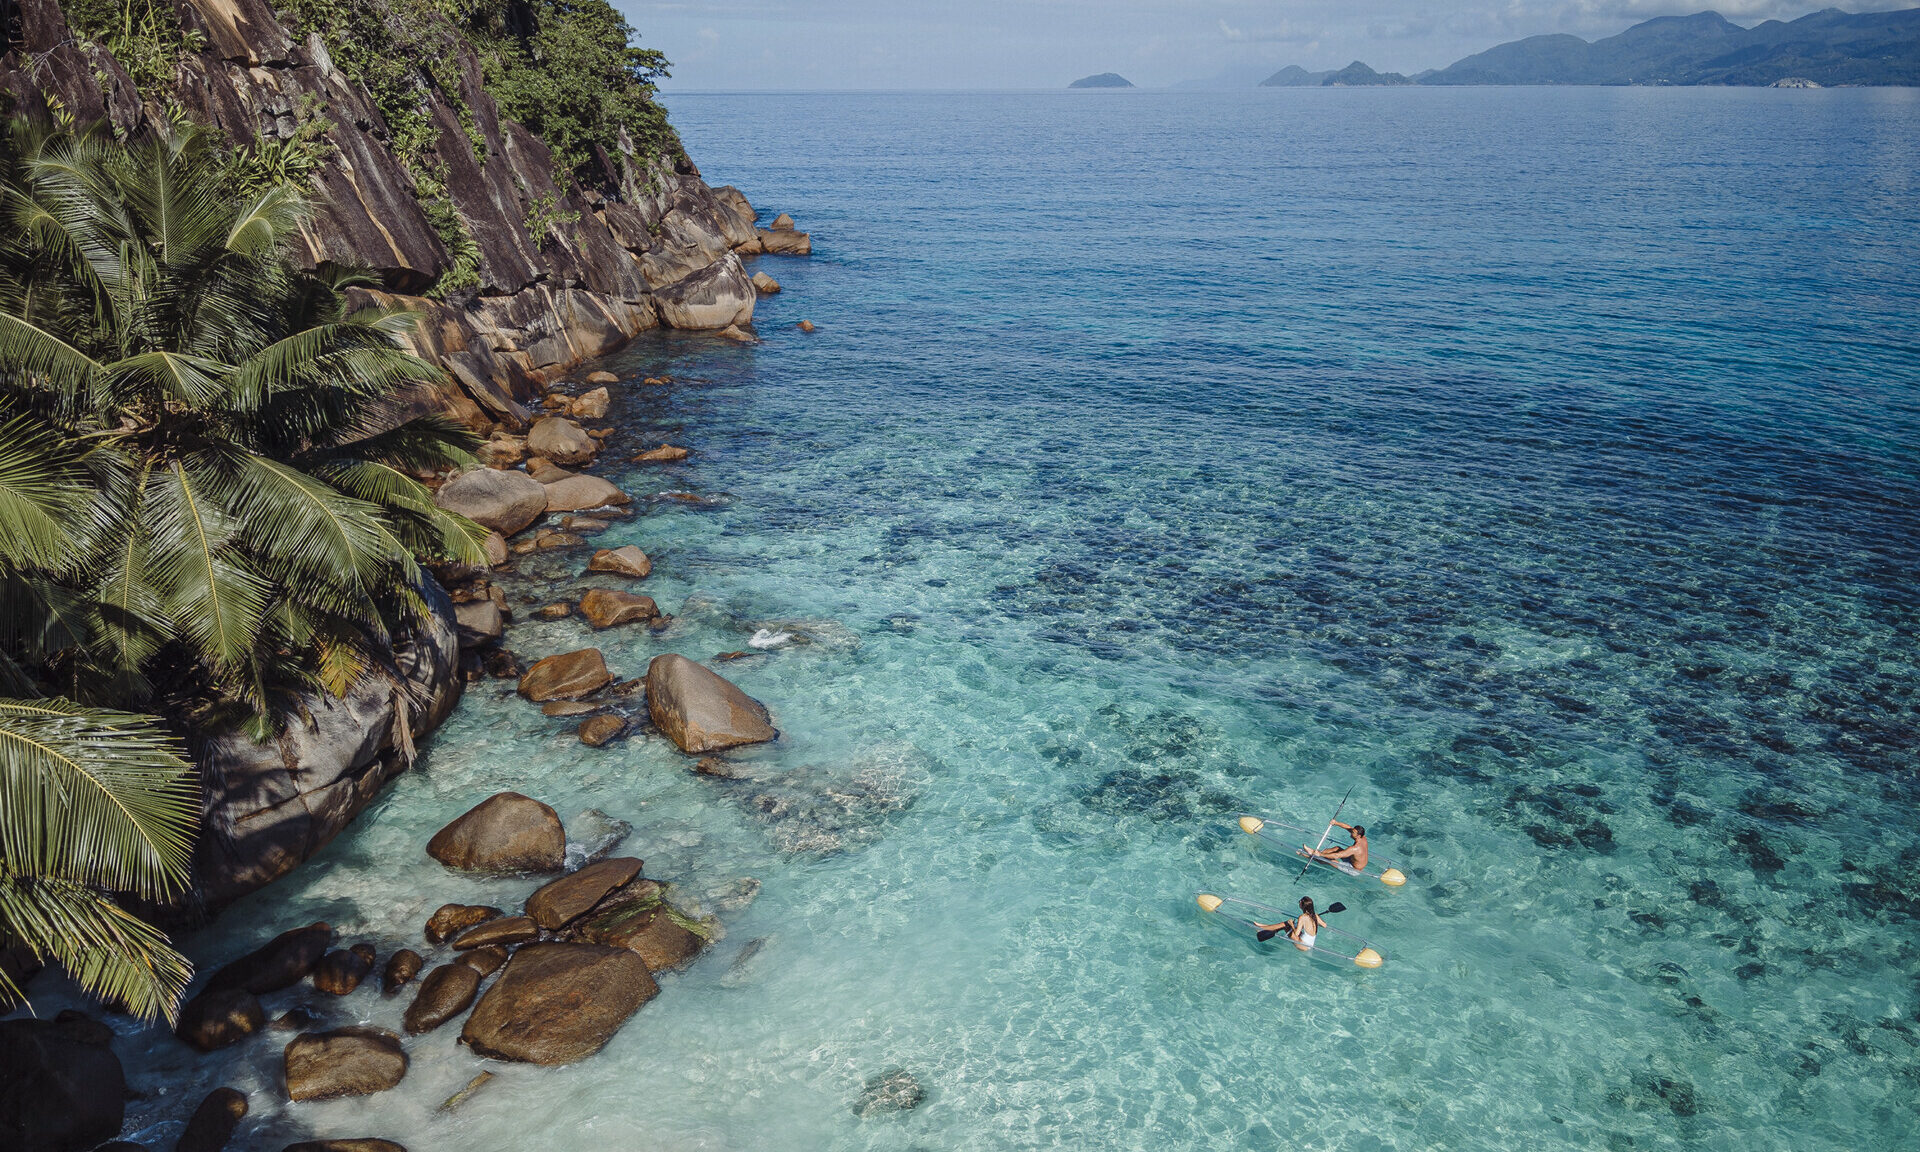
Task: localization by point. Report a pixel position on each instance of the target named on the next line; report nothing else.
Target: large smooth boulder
(446, 992)
(557, 1003)
(485, 961)
(506, 832)
(568, 676)
(559, 901)
(212, 1124)
(626, 560)
(765, 284)
(498, 933)
(606, 608)
(61, 1087)
(599, 731)
(701, 711)
(219, 1017)
(495, 498)
(449, 920)
(280, 963)
(579, 493)
(561, 440)
(343, 1062)
(714, 297)
(266, 807)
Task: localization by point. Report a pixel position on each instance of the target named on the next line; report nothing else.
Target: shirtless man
(1354, 855)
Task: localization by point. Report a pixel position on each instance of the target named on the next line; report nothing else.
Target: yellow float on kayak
(1288, 836)
(1331, 946)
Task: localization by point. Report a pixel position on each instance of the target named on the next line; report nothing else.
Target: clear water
(1540, 465)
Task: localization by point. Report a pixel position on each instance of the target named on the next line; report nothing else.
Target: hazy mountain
(1830, 47)
(1103, 80)
(1358, 75)
(1294, 76)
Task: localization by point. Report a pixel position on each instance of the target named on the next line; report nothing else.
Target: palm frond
(110, 952)
(94, 797)
(41, 496)
(212, 595)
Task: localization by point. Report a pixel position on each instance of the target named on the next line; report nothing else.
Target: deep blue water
(1539, 464)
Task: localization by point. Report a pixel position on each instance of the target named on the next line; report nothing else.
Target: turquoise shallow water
(1540, 465)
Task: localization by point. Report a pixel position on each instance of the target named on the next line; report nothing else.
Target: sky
(814, 44)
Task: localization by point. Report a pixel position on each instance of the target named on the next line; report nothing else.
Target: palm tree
(207, 463)
(92, 803)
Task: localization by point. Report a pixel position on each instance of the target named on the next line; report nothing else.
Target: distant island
(1103, 80)
(1819, 50)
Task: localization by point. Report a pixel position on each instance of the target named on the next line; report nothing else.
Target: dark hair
(1306, 905)
(1359, 831)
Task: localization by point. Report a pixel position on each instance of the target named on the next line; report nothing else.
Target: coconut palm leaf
(94, 797)
(41, 496)
(110, 952)
(208, 589)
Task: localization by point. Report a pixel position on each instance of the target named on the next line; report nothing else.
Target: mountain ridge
(1829, 47)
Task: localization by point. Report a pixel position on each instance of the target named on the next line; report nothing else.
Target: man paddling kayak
(1353, 856)
(1303, 929)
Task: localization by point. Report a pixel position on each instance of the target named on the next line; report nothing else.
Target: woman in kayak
(1303, 929)
(1354, 855)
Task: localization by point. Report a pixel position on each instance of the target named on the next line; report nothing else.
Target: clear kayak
(1300, 841)
(1331, 945)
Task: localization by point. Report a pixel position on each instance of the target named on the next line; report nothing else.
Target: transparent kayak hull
(1331, 945)
(1297, 840)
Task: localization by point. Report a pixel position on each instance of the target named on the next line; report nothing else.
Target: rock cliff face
(601, 269)
(564, 275)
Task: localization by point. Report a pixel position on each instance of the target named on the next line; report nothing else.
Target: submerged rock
(446, 992)
(212, 1124)
(625, 561)
(507, 832)
(558, 1003)
(896, 1090)
(567, 676)
(343, 1062)
(559, 901)
(599, 731)
(61, 1087)
(449, 920)
(595, 836)
(699, 710)
(638, 918)
(494, 498)
(219, 1017)
(607, 608)
(665, 454)
(280, 963)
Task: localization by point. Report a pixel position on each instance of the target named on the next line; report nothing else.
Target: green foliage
(92, 803)
(293, 160)
(464, 271)
(205, 460)
(567, 70)
(145, 36)
(542, 214)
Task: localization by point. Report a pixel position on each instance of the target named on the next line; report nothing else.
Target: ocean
(1535, 468)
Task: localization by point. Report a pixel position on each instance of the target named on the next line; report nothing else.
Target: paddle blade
(1265, 934)
(1336, 906)
(1251, 824)
(1209, 902)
